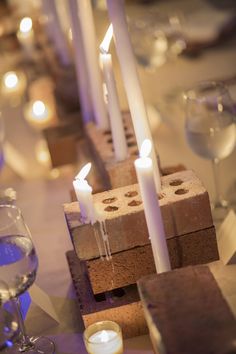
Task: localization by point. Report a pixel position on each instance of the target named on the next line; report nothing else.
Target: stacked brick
(190, 237)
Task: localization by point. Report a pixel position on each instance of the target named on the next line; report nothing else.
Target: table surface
(41, 198)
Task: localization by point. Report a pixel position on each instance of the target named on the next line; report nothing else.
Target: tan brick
(125, 309)
(127, 267)
(115, 174)
(184, 206)
(187, 310)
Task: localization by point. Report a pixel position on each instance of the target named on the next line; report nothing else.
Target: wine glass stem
(25, 340)
(218, 198)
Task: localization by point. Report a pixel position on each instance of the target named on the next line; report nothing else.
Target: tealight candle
(83, 193)
(38, 114)
(103, 337)
(144, 170)
(13, 83)
(25, 34)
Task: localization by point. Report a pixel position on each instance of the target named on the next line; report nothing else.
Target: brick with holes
(115, 174)
(184, 206)
(122, 306)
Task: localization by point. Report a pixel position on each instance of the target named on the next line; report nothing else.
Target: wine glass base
(220, 210)
(42, 345)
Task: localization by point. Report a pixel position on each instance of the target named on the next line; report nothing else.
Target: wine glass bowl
(18, 259)
(210, 125)
(18, 268)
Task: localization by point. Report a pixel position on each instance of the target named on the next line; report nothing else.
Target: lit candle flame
(146, 148)
(104, 336)
(10, 80)
(84, 171)
(104, 47)
(26, 25)
(39, 108)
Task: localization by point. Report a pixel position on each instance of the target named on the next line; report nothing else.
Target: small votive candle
(38, 114)
(13, 83)
(103, 337)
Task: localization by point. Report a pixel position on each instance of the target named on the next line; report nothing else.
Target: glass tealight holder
(103, 337)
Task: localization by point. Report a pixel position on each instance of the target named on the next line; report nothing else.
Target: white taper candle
(144, 170)
(131, 81)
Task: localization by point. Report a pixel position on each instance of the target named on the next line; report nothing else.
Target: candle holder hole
(111, 208)
(119, 292)
(100, 297)
(131, 143)
(135, 203)
(107, 132)
(176, 182)
(125, 127)
(109, 200)
(181, 191)
(128, 136)
(135, 153)
(109, 141)
(131, 194)
(161, 196)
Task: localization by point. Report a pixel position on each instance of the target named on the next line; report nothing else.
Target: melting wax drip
(105, 238)
(97, 238)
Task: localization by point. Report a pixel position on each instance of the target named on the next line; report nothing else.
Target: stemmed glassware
(18, 267)
(210, 126)
(8, 320)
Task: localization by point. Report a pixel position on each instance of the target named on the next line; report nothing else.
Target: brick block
(187, 313)
(124, 307)
(115, 174)
(127, 267)
(184, 206)
(61, 140)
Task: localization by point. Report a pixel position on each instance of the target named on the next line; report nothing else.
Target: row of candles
(88, 64)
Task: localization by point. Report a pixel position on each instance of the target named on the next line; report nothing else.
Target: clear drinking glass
(210, 126)
(8, 321)
(18, 267)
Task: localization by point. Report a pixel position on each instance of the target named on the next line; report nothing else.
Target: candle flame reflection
(104, 336)
(26, 25)
(104, 47)
(146, 148)
(84, 171)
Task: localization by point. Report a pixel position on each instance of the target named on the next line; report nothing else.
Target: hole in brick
(128, 136)
(118, 292)
(100, 297)
(135, 153)
(181, 191)
(131, 143)
(109, 141)
(176, 182)
(135, 203)
(161, 196)
(125, 128)
(131, 194)
(109, 200)
(111, 208)
(107, 132)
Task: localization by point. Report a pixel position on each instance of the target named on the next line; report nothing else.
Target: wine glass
(18, 267)
(8, 321)
(210, 126)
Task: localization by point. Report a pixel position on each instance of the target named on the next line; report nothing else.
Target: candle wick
(103, 50)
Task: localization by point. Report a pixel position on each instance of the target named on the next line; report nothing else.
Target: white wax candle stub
(105, 342)
(84, 194)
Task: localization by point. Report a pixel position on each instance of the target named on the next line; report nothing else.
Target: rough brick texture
(127, 267)
(184, 206)
(125, 309)
(186, 309)
(115, 174)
